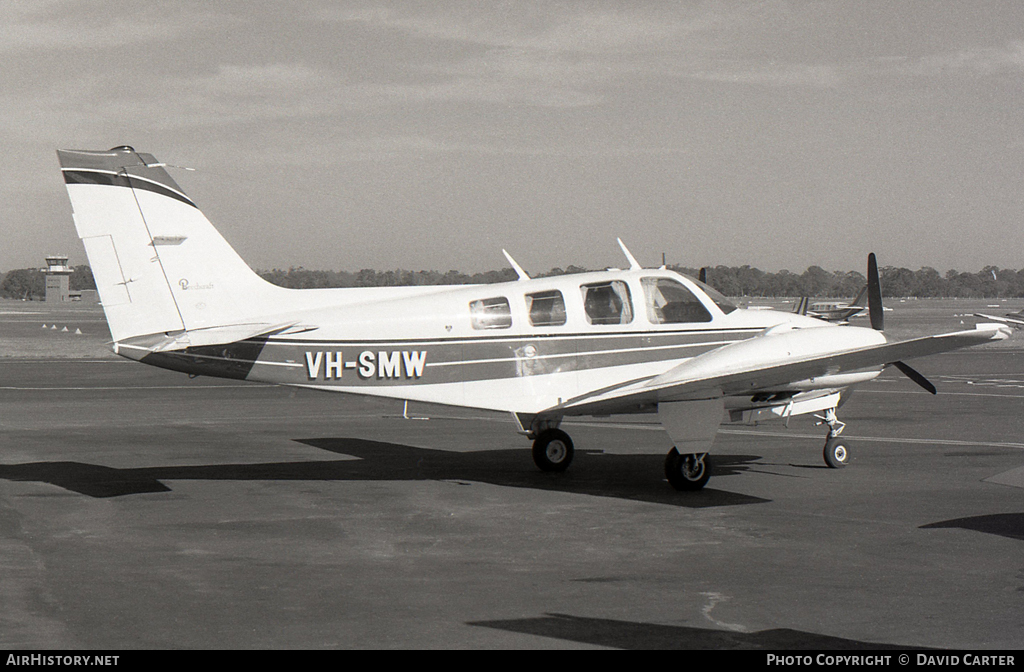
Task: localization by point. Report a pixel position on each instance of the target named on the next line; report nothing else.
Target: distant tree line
(990, 282)
(301, 278)
(30, 283)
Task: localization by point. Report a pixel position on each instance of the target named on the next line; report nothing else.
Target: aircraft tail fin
(801, 305)
(158, 262)
(859, 300)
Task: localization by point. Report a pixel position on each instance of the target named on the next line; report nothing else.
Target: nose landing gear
(837, 455)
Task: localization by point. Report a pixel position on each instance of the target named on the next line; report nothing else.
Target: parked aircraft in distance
(1015, 320)
(638, 340)
(833, 311)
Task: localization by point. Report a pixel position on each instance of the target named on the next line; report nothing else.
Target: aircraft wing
(770, 363)
(1013, 322)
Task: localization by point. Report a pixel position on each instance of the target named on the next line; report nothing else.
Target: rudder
(159, 264)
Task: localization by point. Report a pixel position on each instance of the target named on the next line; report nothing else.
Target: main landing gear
(553, 450)
(837, 455)
(687, 472)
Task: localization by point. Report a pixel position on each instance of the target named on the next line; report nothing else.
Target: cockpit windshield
(669, 302)
(716, 296)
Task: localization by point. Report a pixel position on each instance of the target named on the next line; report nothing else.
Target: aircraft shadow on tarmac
(633, 477)
(630, 635)
(1010, 525)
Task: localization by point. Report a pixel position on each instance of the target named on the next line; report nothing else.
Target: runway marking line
(713, 600)
(947, 393)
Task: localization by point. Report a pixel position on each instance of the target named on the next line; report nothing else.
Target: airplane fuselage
(521, 346)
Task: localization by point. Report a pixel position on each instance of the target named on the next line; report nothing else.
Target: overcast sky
(349, 135)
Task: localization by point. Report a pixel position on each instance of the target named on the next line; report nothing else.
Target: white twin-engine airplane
(640, 340)
(832, 311)
(1015, 320)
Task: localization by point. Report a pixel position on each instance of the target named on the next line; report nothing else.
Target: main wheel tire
(837, 455)
(687, 472)
(553, 450)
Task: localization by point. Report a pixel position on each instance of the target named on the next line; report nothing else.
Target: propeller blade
(703, 277)
(874, 295)
(915, 376)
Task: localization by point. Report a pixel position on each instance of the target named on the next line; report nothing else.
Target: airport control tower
(58, 279)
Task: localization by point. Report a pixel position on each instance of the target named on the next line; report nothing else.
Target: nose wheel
(837, 455)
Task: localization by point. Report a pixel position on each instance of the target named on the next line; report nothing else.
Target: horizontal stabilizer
(223, 335)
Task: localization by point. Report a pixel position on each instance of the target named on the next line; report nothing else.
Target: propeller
(877, 322)
(874, 295)
(916, 377)
(703, 277)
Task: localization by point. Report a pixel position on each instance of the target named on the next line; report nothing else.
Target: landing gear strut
(837, 455)
(553, 450)
(687, 472)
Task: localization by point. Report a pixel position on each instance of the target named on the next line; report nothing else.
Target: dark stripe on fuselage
(476, 359)
(221, 361)
(121, 180)
(286, 361)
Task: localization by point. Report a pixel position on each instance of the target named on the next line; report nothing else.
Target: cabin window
(669, 302)
(607, 303)
(490, 313)
(546, 309)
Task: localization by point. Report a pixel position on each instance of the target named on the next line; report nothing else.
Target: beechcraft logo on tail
(381, 364)
(186, 286)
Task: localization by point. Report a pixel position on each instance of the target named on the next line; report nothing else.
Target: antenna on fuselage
(159, 164)
(633, 264)
(518, 269)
